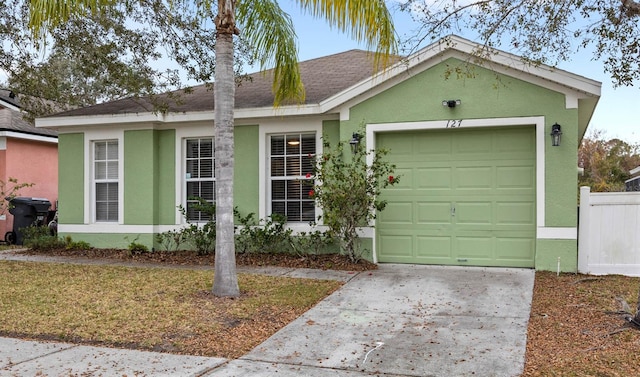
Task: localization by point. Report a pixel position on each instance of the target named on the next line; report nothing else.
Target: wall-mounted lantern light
(451, 103)
(355, 142)
(556, 134)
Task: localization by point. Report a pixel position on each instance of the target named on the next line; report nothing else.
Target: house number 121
(454, 123)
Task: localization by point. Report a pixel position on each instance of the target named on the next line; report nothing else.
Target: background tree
(269, 33)
(97, 57)
(606, 162)
(540, 31)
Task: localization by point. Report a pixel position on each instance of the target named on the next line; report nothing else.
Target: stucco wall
(33, 162)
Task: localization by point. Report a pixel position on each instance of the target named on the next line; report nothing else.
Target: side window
(105, 178)
(199, 180)
(291, 159)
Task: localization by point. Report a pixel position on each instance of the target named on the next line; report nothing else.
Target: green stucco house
(482, 183)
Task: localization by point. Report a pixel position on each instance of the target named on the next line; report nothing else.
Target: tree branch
(631, 8)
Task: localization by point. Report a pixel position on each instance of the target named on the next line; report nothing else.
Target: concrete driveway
(405, 320)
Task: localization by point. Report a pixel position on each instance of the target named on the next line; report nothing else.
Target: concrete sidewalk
(400, 320)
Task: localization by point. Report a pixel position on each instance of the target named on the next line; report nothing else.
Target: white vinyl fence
(609, 233)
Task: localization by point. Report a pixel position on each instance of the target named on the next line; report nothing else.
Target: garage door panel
(515, 141)
(438, 178)
(407, 180)
(512, 248)
(397, 213)
(474, 213)
(434, 212)
(439, 144)
(396, 245)
(473, 142)
(478, 247)
(474, 177)
(515, 213)
(515, 177)
(436, 247)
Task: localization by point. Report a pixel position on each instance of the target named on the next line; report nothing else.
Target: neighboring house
(28, 154)
(633, 183)
(480, 182)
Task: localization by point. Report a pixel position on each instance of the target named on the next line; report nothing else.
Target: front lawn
(158, 309)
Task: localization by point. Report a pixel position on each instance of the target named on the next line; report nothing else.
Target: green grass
(158, 309)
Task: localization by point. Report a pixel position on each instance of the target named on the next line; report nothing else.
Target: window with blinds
(200, 176)
(291, 165)
(105, 166)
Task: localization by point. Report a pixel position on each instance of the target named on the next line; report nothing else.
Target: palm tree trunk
(225, 281)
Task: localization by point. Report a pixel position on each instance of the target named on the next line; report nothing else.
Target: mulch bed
(186, 258)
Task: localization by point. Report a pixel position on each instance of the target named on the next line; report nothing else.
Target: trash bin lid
(29, 200)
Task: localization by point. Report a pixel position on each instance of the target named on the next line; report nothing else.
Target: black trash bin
(26, 212)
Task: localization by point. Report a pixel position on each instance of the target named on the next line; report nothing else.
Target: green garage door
(465, 197)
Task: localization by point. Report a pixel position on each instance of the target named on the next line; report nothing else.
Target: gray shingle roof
(322, 77)
(11, 120)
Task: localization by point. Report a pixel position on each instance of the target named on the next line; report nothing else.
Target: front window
(105, 163)
(200, 178)
(291, 165)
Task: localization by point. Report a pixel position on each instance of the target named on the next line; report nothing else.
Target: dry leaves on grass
(157, 309)
(574, 331)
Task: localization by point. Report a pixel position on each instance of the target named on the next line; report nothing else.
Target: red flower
(391, 179)
(308, 175)
(311, 193)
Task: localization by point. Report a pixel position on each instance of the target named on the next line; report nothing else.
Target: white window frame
(91, 137)
(288, 178)
(197, 130)
(266, 130)
(186, 180)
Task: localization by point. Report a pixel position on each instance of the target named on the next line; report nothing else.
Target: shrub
(137, 248)
(171, 240)
(70, 244)
(201, 237)
(39, 238)
(263, 236)
(311, 243)
(349, 192)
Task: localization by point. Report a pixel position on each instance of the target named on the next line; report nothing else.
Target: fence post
(583, 230)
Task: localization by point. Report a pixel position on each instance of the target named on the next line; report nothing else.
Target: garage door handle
(453, 211)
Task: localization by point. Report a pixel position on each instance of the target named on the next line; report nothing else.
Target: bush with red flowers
(348, 191)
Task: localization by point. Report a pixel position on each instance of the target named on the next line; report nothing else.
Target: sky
(617, 113)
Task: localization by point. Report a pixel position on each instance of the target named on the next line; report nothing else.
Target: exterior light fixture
(355, 142)
(451, 103)
(556, 134)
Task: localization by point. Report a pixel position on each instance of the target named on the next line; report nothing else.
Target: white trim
(9, 106)
(3, 143)
(25, 136)
(557, 233)
(538, 122)
(90, 137)
(277, 127)
(115, 228)
(93, 120)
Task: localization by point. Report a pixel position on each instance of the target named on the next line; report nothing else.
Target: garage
(466, 197)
